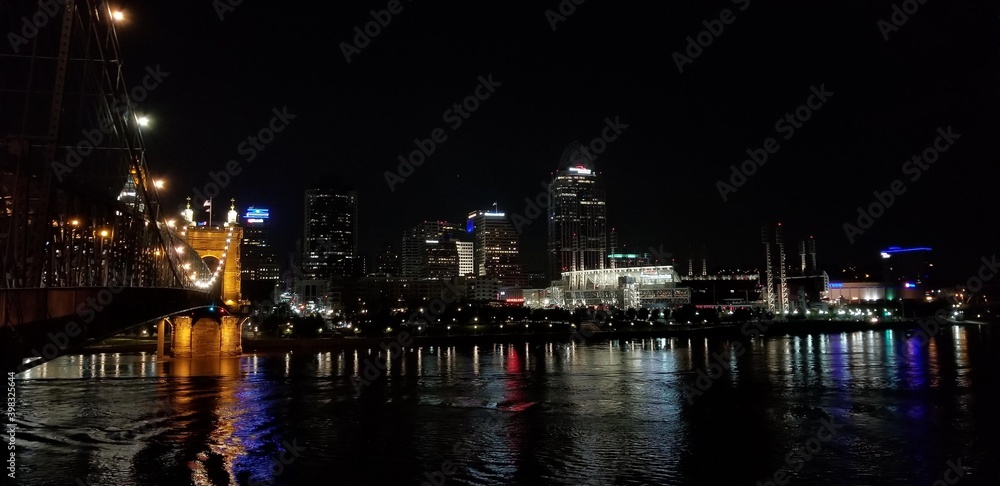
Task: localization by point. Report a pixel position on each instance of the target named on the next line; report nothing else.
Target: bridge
(87, 249)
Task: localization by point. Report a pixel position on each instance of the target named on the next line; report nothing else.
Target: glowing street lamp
(158, 183)
(118, 15)
(143, 121)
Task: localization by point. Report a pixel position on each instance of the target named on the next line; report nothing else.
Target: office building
(466, 258)
(578, 238)
(387, 263)
(260, 261)
(432, 250)
(495, 248)
(330, 246)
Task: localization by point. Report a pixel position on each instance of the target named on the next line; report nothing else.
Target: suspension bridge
(86, 249)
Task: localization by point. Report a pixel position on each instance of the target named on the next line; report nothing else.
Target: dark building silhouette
(330, 247)
(578, 237)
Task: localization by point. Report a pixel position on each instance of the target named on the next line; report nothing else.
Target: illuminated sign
(494, 215)
(256, 213)
(909, 285)
(254, 220)
(836, 285)
(896, 249)
(470, 226)
(580, 170)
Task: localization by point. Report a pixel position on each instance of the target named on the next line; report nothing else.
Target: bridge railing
(79, 207)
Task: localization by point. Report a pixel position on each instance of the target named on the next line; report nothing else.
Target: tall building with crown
(578, 236)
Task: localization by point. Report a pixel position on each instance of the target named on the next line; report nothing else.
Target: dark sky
(606, 60)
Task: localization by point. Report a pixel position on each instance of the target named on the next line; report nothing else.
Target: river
(860, 408)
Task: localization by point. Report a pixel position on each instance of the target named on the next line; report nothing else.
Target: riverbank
(774, 328)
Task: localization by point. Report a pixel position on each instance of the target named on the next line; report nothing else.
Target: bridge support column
(232, 337)
(161, 331)
(180, 345)
(207, 337)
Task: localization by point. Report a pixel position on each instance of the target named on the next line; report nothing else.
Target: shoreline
(774, 329)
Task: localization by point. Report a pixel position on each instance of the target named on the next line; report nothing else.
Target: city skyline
(683, 130)
(559, 242)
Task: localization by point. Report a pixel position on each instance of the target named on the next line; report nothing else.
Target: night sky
(606, 59)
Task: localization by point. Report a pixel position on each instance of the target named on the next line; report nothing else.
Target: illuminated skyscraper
(495, 248)
(578, 235)
(259, 260)
(330, 246)
(466, 258)
(432, 249)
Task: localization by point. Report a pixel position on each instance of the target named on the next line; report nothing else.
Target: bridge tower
(219, 247)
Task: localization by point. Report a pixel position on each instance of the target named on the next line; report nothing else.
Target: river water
(862, 408)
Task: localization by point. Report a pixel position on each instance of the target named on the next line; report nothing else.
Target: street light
(159, 182)
(104, 260)
(143, 121)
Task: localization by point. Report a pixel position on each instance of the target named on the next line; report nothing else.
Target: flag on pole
(208, 204)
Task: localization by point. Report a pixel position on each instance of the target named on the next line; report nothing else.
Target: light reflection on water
(602, 412)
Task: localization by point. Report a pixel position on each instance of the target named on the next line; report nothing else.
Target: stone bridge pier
(206, 337)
